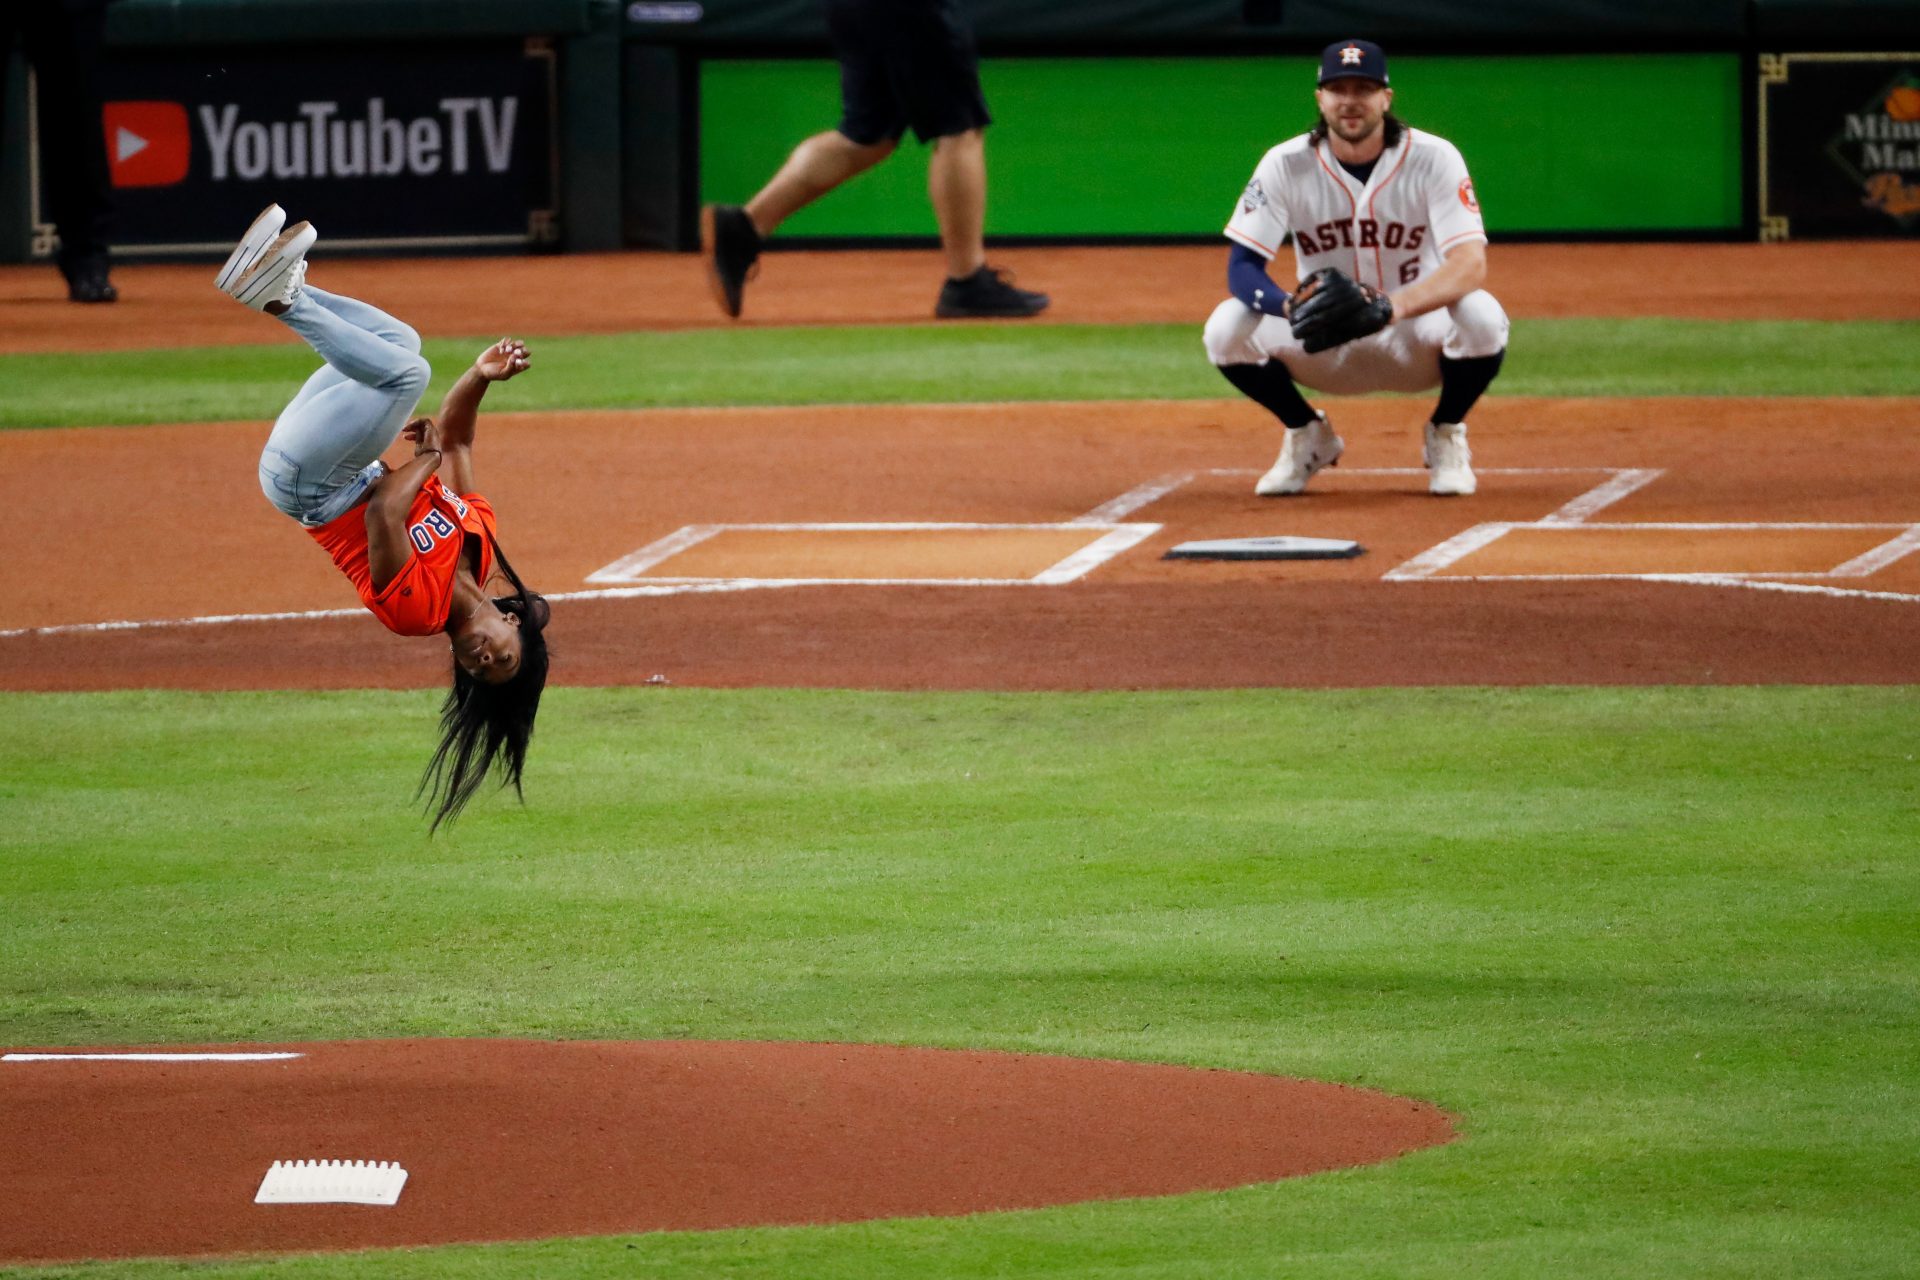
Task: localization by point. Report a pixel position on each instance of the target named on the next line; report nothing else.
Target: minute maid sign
(1839, 144)
(1880, 148)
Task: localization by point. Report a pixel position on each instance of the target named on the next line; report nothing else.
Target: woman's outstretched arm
(497, 363)
(392, 500)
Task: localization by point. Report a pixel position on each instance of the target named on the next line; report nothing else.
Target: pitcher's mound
(517, 1139)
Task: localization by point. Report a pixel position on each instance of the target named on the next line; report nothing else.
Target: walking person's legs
(957, 189)
(903, 64)
(816, 167)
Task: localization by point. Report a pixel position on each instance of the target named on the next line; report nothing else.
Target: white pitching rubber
(332, 1182)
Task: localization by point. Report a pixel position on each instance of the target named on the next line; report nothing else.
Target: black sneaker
(732, 246)
(87, 280)
(987, 292)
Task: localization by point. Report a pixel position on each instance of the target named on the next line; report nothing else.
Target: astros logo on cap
(1351, 56)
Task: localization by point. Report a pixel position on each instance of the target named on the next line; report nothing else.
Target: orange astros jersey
(418, 599)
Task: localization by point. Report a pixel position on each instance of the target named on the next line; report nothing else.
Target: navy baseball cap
(1361, 58)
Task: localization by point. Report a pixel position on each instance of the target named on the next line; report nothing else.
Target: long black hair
(480, 722)
(1391, 128)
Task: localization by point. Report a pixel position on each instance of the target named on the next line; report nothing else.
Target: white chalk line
(666, 588)
(627, 567)
(1623, 482)
(1454, 549)
(205, 620)
(1460, 546)
(1152, 491)
(1135, 498)
(1108, 515)
(1598, 499)
(1117, 539)
(148, 1057)
(1754, 583)
(1577, 515)
(1871, 562)
(1120, 539)
(1799, 588)
(1615, 526)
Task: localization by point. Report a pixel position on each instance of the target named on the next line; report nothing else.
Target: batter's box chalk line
(332, 1182)
(1904, 542)
(1111, 517)
(147, 1057)
(1115, 538)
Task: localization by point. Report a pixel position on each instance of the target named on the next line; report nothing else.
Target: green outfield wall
(1162, 146)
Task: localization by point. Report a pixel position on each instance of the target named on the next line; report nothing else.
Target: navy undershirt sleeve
(1247, 280)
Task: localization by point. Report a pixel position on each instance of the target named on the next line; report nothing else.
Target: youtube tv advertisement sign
(420, 146)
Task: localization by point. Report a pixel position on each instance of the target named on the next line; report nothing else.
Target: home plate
(332, 1182)
(1275, 548)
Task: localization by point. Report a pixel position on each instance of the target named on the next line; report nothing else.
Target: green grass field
(1654, 948)
(949, 364)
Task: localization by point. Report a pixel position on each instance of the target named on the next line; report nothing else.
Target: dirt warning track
(175, 305)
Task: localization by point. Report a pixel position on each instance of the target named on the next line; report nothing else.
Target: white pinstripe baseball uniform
(1388, 231)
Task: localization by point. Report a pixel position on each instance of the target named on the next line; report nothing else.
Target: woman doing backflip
(416, 540)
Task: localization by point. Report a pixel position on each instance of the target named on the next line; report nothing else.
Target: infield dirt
(577, 491)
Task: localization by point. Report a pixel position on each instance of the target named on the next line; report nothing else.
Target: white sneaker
(1305, 451)
(251, 246)
(277, 275)
(1450, 460)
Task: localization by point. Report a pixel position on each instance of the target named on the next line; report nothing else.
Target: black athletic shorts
(905, 63)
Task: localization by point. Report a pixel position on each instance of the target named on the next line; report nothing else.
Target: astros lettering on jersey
(1387, 232)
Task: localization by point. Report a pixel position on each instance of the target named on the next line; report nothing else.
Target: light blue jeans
(324, 453)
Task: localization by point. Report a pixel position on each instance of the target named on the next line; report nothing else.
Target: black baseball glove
(1331, 307)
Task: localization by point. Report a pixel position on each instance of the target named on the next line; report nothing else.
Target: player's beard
(1343, 129)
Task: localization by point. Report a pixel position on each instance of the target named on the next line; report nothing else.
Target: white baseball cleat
(1450, 460)
(251, 246)
(1306, 450)
(277, 274)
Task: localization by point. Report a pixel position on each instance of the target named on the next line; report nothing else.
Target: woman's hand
(454, 434)
(425, 434)
(502, 360)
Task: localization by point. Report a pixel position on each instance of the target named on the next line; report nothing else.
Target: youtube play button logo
(148, 143)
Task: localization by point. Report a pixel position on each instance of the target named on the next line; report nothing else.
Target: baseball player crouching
(1390, 251)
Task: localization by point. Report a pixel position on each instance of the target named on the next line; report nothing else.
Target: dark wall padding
(1186, 24)
(164, 22)
(1861, 25)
